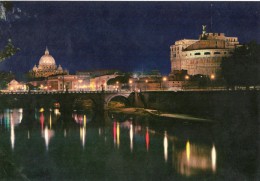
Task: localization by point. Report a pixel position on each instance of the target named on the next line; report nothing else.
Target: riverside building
(202, 56)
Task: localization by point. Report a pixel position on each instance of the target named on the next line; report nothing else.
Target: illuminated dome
(47, 59)
(47, 67)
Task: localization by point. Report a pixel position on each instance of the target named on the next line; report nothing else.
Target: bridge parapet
(66, 99)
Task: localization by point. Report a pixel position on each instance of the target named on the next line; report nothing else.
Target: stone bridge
(66, 100)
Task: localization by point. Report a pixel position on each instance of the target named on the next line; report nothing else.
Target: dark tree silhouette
(7, 48)
(120, 79)
(243, 67)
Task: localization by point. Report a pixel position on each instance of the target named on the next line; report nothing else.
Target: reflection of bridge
(65, 99)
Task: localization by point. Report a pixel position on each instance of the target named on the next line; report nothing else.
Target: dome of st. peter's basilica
(47, 67)
(47, 59)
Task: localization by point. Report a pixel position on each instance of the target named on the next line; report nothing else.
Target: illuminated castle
(202, 56)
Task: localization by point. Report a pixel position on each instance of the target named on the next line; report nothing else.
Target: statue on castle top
(204, 29)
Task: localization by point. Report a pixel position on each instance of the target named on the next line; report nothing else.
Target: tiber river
(47, 144)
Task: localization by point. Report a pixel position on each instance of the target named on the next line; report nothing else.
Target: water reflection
(10, 118)
(47, 135)
(114, 132)
(83, 135)
(213, 158)
(185, 156)
(147, 139)
(12, 135)
(118, 135)
(42, 120)
(81, 119)
(195, 159)
(165, 146)
(188, 158)
(131, 136)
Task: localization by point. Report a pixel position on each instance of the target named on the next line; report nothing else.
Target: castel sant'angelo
(202, 56)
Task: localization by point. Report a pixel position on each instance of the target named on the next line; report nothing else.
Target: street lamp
(186, 78)
(130, 82)
(146, 81)
(117, 83)
(212, 77)
(164, 79)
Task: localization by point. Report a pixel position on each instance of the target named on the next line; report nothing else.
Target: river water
(48, 144)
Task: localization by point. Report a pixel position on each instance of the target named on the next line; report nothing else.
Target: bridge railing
(7, 92)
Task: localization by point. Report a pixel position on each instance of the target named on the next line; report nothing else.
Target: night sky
(130, 36)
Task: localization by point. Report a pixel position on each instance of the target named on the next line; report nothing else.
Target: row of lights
(212, 77)
(146, 80)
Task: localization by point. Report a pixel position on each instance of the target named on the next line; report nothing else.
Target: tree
(120, 79)
(5, 78)
(243, 67)
(8, 49)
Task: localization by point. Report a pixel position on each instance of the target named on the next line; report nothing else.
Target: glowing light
(28, 135)
(114, 132)
(147, 139)
(146, 81)
(20, 115)
(50, 121)
(131, 135)
(165, 146)
(42, 120)
(130, 81)
(188, 151)
(84, 121)
(41, 110)
(212, 76)
(187, 77)
(12, 136)
(164, 79)
(213, 158)
(65, 133)
(56, 112)
(47, 135)
(83, 136)
(118, 135)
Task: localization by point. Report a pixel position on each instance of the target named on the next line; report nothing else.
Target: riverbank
(156, 113)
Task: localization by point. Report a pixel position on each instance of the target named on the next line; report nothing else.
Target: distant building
(16, 86)
(97, 73)
(47, 67)
(202, 56)
(100, 83)
(58, 82)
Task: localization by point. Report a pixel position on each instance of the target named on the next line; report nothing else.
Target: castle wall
(202, 56)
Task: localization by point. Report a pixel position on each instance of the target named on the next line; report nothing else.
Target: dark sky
(119, 35)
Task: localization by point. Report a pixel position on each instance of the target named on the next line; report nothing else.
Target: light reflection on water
(186, 157)
(194, 159)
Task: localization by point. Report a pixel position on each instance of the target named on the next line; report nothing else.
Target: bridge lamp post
(212, 78)
(146, 81)
(130, 82)
(117, 83)
(186, 78)
(164, 79)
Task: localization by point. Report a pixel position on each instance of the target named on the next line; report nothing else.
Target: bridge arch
(85, 102)
(123, 97)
